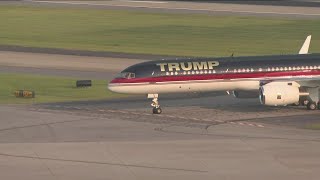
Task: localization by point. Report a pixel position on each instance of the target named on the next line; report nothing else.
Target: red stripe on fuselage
(226, 76)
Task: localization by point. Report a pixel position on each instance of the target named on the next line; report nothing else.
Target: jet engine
(280, 93)
(246, 94)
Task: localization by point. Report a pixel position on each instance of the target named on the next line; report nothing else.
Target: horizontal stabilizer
(305, 47)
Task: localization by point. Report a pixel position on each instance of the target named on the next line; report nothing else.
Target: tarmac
(284, 9)
(207, 136)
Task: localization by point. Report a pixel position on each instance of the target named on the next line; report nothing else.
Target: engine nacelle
(245, 94)
(279, 93)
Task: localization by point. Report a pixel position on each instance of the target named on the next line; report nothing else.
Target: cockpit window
(132, 75)
(126, 75)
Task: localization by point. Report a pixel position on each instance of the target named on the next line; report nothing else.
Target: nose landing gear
(156, 107)
(156, 110)
(155, 104)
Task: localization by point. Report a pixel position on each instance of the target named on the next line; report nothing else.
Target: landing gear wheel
(312, 105)
(157, 110)
(305, 102)
(155, 104)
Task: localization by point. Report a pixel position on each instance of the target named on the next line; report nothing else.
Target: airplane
(277, 80)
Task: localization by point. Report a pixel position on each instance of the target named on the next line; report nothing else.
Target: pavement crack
(46, 166)
(103, 163)
(121, 161)
(43, 124)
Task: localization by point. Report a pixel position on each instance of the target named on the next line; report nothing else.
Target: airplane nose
(115, 86)
(111, 86)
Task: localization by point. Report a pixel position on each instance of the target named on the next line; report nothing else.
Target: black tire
(312, 106)
(157, 110)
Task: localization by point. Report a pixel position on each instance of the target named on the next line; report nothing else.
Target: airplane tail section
(305, 47)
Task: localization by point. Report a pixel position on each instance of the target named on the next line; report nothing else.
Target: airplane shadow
(214, 101)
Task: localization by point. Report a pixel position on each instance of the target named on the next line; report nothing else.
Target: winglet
(305, 47)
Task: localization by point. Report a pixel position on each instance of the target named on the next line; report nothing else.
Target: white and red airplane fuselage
(221, 74)
(279, 80)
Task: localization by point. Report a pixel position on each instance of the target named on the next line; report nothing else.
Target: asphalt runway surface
(63, 65)
(198, 136)
(190, 7)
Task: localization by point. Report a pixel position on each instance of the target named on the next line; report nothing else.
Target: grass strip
(50, 89)
(315, 126)
(153, 33)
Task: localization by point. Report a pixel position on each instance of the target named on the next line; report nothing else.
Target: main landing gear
(313, 99)
(155, 104)
(312, 105)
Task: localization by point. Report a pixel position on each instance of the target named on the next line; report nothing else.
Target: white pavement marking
(219, 121)
(246, 124)
(173, 8)
(170, 116)
(206, 120)
(135, 113)
(153, 2)
(180, 117)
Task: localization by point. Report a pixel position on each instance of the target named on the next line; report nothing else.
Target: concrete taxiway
(207, 136)
(123, 140)
(192, 7)
(63, 65)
